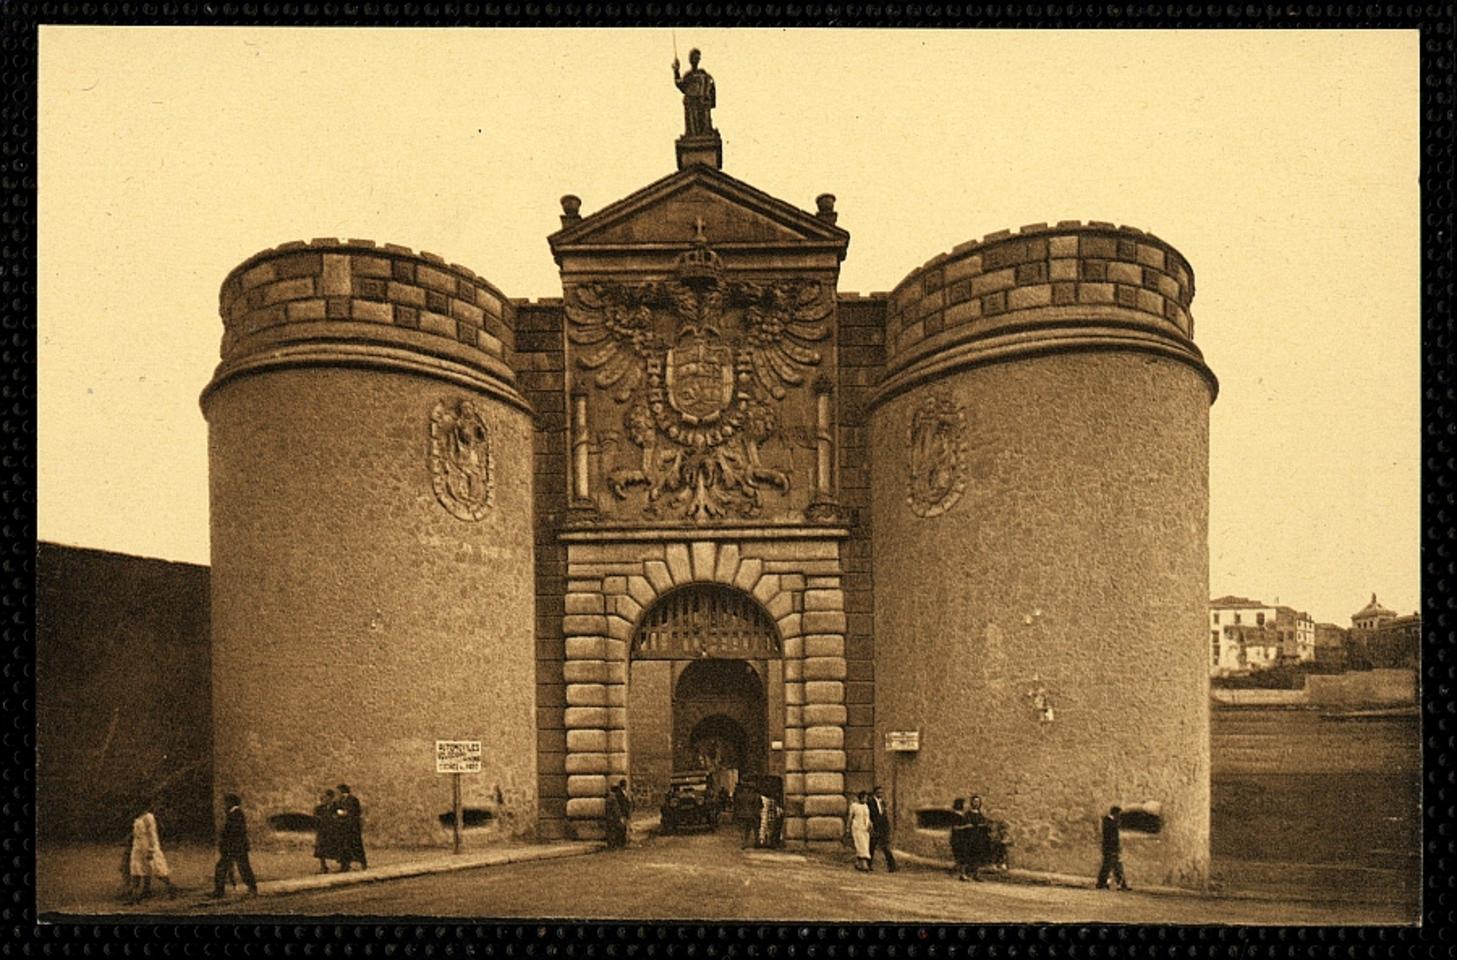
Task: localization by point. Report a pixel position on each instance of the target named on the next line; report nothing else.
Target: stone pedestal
(701, 150)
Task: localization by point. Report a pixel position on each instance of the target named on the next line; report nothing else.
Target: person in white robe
(147, 858)
(860, 831)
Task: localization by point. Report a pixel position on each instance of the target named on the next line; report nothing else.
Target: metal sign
(903, 741)
(457, 756)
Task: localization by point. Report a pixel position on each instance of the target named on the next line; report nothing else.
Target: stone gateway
(706, 511)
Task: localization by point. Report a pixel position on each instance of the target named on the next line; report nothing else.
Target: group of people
(868, 828)
(758, 816)
(339, 830)
(977, 841)
(339, 836)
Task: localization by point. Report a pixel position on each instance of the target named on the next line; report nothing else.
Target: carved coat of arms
(461, 466)
(937, 456)
(699, 363)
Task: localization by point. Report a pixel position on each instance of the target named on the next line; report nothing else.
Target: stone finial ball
(825, 202)
(571, 205)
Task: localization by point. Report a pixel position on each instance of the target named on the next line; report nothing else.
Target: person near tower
(1112, 851)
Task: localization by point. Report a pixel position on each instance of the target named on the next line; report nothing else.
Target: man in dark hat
(1112, 843)
(233, 848)
(880, 828)
(351, 829)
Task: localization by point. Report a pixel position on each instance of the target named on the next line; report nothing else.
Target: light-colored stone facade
(613, 581)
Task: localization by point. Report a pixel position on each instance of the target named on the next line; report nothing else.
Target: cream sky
(1282, 164)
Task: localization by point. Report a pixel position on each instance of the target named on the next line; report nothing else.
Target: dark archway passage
(705, 691)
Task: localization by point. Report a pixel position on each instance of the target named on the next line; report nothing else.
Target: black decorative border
(23, 937)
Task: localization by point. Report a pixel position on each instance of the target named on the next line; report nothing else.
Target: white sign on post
(903, 741)
(457, 756)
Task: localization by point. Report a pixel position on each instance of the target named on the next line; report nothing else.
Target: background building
(1382, 638)
(1247, 634)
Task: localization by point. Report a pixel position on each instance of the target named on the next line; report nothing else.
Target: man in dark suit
(1112, 844)
(351, 830)
(880, 829)
(233, 848)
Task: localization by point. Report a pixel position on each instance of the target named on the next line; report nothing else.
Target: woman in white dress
(860, 831)
(147, 859)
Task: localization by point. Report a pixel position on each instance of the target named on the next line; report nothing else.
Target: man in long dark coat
(351, 829)
(233, 848)
(880, 829)
(615, 812)
(1112, 852)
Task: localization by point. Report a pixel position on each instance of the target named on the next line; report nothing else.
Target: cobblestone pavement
(707, 877)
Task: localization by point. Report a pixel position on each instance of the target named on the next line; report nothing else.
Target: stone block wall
(861, 340)
(356, 281)
(613, 579)
(1088, 270)
(540, 361)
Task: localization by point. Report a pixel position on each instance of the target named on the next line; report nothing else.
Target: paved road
(707, 877)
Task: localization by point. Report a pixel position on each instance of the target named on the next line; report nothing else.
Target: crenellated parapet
(1073, 285)
(371, 304)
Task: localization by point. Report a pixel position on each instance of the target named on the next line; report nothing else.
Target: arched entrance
(703, 659)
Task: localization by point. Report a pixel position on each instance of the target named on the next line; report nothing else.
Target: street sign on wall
(903, 741)
(457, 756)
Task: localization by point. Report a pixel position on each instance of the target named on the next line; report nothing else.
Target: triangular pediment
(667, 212)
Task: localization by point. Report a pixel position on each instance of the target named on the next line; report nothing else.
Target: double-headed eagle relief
(700, 363)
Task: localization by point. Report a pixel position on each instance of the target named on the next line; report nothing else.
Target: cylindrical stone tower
(1040, 504)
(372, 588)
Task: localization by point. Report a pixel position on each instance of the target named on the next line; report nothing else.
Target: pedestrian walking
(880, 828)
(146, 859)
(233, 848)
(618, 809)
(326, 832)
(349, 815)
(860, 831)
(1112, 851)
(747, 811)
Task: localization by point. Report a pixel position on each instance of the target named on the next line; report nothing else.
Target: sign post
(456, 757)
(899, 742)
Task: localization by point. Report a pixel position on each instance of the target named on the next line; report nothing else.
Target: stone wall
(124, 695)
(325, 281)
(372, 556)
(862, 357)
(540, 360)
(1040, 511)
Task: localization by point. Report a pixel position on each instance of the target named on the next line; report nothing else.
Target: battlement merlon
(1071, 286)
(354, 302)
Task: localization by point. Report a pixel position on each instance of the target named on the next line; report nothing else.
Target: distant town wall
(124, 695)
(1355, 687)
(1363, 686)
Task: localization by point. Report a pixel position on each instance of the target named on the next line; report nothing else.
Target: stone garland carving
(699, 363)
(462, 469)
(937, 456)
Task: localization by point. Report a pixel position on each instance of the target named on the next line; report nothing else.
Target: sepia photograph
(729, 475)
